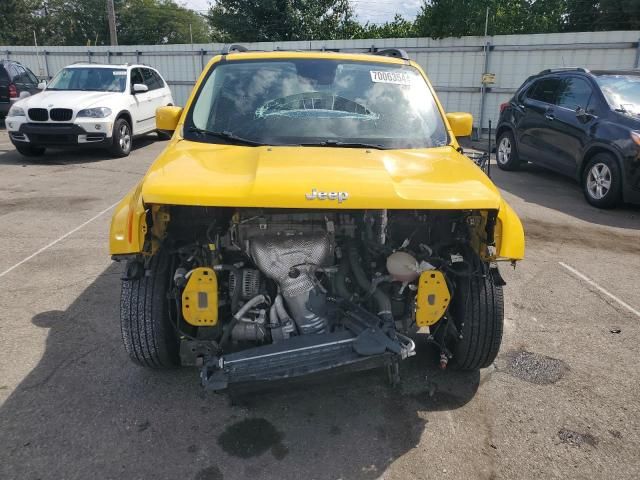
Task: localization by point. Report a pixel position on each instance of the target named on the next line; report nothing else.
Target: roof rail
(564, 69)
(234, 47)
(391, 52)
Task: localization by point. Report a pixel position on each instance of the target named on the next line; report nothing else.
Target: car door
(32, 81)
(22, 81)
(533, 131)
(143, 112)
(4, 88)
(167, 97)
(156, 92)
(572, 122)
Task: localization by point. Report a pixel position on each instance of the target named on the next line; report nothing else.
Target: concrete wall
(454, 65)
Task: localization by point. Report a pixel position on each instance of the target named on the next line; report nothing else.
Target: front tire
(147, 333)
(602, 181)
(480, 321)
(29, 151)
(122, 138)
(506, 152)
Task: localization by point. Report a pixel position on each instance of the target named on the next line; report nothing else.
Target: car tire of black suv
(480, 307)
(507, 158)
(29, 151)
(122, 138)
(145, 320)
(602, 181)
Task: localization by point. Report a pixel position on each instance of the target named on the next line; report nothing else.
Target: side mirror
(461, 123)
(139, 88)
(167, 118)
(584, 115)
(24, 94)
(42, 85)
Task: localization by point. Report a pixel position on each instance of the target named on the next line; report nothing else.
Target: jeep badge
(340, 196)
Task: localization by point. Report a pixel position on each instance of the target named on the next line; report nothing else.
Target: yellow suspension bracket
(200, 298)
(433, 298)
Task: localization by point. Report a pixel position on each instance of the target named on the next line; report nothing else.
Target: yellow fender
(509, 234)
(128, 224)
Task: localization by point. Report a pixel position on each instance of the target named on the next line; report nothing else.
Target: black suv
(15, 78)
(581, 123)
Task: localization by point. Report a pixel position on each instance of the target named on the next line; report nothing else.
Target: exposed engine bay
(262, 294)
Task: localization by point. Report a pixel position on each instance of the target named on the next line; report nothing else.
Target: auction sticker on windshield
(398, 78)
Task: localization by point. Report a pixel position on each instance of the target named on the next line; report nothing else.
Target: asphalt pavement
(561, 401)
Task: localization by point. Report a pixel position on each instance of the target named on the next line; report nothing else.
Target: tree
(278, 20)
(152, 22)
(12, 14)
(399, 27)
(456, 18)
(70, 22)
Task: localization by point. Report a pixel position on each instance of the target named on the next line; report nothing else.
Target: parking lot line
(71, 232)
(600, 289)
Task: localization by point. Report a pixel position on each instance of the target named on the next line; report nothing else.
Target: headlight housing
(16, 112)
(635, 136)
(99, 112)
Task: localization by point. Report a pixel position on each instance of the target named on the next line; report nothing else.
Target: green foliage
(399, 27)
(277, 20)
(152, 22)
(456, 18)
(84, 22)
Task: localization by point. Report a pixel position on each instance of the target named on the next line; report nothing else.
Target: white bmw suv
(89, 105)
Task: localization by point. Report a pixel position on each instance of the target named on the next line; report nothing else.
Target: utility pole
(111, 14)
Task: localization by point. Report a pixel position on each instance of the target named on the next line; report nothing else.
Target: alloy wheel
(599, 181)
(125, 137)
(504, 151)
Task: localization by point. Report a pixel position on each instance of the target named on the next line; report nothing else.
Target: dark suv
(581, 123)
(15, 78)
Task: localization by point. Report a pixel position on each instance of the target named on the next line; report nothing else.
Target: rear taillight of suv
(503, 106)
(13, 91)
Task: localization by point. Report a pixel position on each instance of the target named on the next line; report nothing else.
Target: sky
(374, 11)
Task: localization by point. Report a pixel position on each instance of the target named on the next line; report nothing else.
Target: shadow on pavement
(69, 156)
(540, 186)
(85, 411)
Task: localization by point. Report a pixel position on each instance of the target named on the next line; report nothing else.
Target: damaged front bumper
(366, 342)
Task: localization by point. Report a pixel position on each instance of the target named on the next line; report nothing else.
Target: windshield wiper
(337, 143)
(224, 135)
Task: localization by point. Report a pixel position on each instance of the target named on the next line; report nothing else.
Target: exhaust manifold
(291, 261)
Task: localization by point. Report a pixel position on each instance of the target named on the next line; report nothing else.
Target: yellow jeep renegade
(311, 212)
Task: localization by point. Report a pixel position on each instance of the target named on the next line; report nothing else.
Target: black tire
(164, 135)
(602, 181)
(481, 323)
(29, 151)
(506, 152)
(122, 138)
(149, 338)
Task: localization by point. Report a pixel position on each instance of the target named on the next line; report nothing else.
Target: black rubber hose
(341, 276)
(381, 299)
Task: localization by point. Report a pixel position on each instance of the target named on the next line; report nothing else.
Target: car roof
(616, 72)
(319, 55)
(105, 65)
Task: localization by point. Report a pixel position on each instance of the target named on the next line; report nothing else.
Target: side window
(31, 78)
(573, 93)
(158, 78)
(136, 76)
(544, 90)
(149, 79)
(13, 72)
(22, 76)
(4, 76)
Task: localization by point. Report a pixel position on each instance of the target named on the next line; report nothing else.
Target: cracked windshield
(316, 102)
